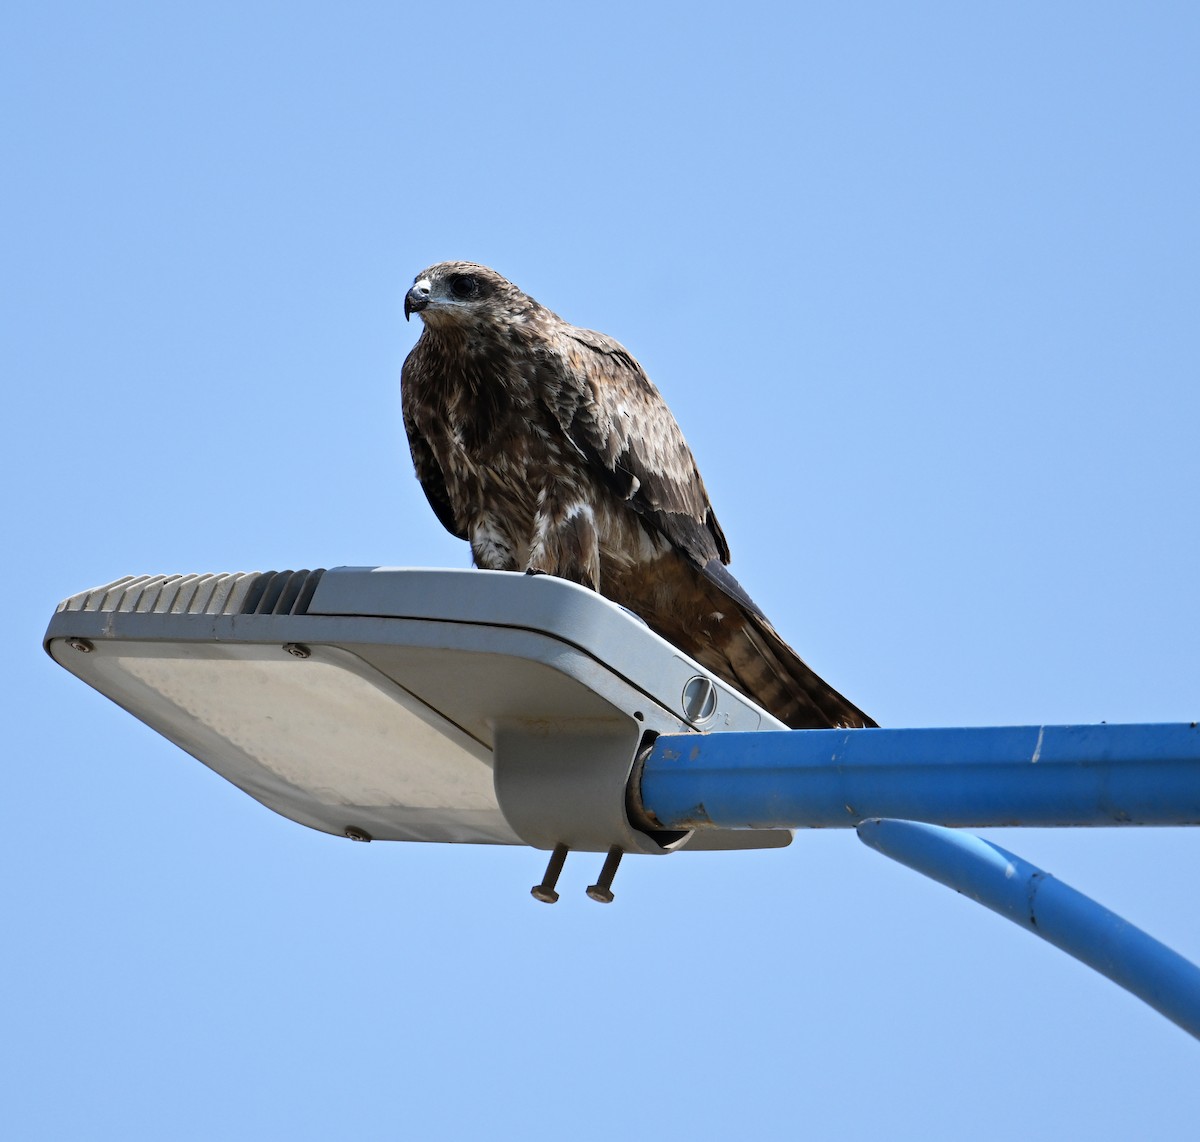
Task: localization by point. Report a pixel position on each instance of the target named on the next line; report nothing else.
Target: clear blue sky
(921, 283)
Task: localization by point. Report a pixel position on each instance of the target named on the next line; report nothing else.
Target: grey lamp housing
(408, 705)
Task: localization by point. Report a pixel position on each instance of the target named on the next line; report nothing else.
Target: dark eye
(464, 286)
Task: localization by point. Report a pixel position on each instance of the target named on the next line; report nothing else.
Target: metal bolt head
(601, 891)
(297, 650)
(357, 834)
(545, 891)
(80, 644)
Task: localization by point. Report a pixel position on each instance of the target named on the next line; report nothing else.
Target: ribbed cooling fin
(281, 593)
(236, 593)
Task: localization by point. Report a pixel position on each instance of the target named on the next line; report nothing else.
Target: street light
(498, 708)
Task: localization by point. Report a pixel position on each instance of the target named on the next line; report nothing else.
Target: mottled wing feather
(618, 421)
(429, 472)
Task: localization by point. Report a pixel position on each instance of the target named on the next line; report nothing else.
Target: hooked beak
(417, 298)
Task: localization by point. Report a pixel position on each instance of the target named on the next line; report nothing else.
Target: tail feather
(775, 676)
(753, 658)
(707, 614)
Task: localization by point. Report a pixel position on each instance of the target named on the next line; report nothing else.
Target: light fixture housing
(408, 704)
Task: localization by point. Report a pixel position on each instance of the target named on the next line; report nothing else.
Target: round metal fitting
(353, 831)
(299, 650)
(699, 699)
(81, 644)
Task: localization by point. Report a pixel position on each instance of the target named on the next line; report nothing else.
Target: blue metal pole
(1013, 775)
(1040, 904)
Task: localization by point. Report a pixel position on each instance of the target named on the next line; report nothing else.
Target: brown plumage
(548, 449)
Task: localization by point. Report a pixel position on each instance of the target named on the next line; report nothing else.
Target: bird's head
(463, 293)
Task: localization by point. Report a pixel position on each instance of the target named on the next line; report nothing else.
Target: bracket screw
(81, 644)
(699, 699)
(297, 650)
(545, 891)
(601, 891)
(357, 834)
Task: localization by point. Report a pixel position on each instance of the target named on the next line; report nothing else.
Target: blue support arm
(1037, 902)
(1011, 775)
(1031, 775)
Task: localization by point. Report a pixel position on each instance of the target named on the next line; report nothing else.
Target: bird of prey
(548, 449)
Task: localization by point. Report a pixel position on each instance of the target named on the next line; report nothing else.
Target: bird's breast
(507, 462)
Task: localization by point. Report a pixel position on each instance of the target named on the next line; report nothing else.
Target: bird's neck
(465, 339)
